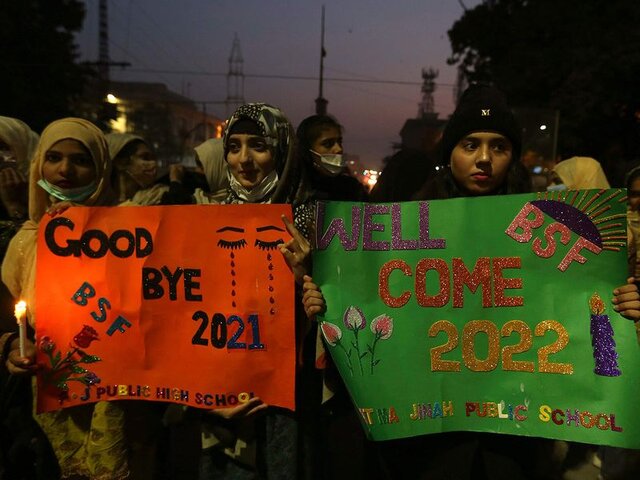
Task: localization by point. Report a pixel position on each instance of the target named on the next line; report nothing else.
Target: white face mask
(257, 194)
(332, 163)
(78, 194)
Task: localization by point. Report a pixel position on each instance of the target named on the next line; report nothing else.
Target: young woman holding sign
(251, 440)
(481, 148)
(71, 166)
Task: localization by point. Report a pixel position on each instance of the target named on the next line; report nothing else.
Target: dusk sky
(190, 42)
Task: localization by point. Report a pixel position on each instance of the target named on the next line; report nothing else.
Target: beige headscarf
(18, 267)
(117, 141)
(579, 173)
(146, 196)
(93, 139)
(21, 139)
(211, 155)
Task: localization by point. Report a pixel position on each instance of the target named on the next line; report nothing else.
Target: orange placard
(185, 304)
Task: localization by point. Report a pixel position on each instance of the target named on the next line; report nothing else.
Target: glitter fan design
(586, 215)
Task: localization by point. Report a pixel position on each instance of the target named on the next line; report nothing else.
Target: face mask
(556, 187)
(257, 194)
(78, 194)
(141, 179)
(333, 163)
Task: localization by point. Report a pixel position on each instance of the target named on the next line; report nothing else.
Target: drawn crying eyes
(263, 245)
(238, 244)
(232, 245)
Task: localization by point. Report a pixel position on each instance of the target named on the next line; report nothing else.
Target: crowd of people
(260, 159)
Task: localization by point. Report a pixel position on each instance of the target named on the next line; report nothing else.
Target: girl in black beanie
(480, 148)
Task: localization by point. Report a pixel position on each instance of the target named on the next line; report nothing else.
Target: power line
(282, 77)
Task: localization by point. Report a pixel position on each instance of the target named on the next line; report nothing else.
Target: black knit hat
(482, 108)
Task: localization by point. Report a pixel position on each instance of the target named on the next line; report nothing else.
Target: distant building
(170, 122)
(422, 133)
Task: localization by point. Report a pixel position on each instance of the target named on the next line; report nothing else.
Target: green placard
(488, 314)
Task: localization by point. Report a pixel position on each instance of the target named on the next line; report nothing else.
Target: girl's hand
(242, 411)
(626, 300)
(296, 252)
(312, 298)
(18, 365)
(59, 208)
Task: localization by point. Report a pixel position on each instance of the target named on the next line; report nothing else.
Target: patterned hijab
(278, 133)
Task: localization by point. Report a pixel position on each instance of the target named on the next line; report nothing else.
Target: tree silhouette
(40, 77)
(581, 57)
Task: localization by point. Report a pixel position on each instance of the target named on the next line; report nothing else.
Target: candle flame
(20, 310)
(596, 304)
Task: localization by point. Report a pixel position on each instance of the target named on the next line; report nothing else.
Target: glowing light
(543, 127)
(370, 177)
(111, 98)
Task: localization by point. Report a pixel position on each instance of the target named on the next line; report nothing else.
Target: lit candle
(20, 311)
(604, 346)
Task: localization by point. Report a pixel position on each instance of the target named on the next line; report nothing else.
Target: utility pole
(321, 102)
(103, 42)
(104, 62)
(105, 110)
(235, 78)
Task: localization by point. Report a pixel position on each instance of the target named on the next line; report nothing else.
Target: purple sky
(364, 39)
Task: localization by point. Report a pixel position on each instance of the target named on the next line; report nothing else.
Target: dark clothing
(466, 456)
(8, 228)
(342, 187)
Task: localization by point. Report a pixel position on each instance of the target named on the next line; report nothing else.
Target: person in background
(633, 221)
(579, 173)
(339, 444)
(183, 182)
(210, 157)
(403, 175)
(624, 463)
(321, 156)
(17, 144)
(134, 170)
(24, 450)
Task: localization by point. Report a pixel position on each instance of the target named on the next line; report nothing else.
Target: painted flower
(331, 333)
(46, 345)
(91, 378)
(354, 319)
(382, 326)
(85, 337)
